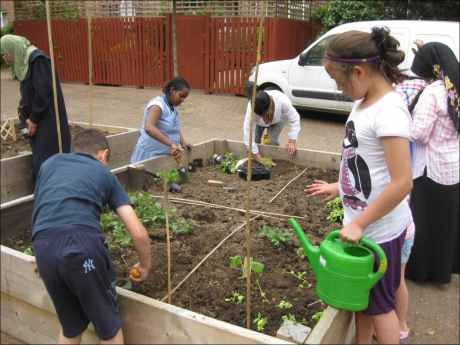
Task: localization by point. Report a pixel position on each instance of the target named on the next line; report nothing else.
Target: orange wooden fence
(215, 54)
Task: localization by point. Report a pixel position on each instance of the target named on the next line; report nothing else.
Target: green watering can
(344, 271)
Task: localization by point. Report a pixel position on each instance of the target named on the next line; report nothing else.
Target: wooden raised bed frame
(28, 313)
(17, 172)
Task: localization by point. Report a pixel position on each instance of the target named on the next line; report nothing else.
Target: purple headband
(350, 60)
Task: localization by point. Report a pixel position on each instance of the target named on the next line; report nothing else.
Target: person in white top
(435, 197)
(375, 175)
(271, 110)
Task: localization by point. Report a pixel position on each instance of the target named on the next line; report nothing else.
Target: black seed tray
(257, 174)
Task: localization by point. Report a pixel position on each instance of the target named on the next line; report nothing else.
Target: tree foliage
(339, 12)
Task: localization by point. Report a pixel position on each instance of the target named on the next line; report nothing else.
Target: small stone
(294, 332)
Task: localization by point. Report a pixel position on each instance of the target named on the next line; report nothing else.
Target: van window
(315, 55)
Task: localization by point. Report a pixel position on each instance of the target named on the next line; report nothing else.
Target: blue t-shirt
(73, 188)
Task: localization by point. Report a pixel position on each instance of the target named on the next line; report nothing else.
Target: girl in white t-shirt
(375, 175)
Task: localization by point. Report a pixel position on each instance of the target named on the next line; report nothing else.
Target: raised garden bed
(17, 172)
(213, 282)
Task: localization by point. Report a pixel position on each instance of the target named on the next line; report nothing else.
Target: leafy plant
(228, 163)
(299, 276)
(237, 298)
(289, 317)
(275, 235)
(29, 251)
(267, 162)
(284, 305)
(337, 210)
(261, 322)
(214, 282)
(317, 316)
(185, 227)
(255, 266)
(301, 253)
(172, 176)
(262, 294)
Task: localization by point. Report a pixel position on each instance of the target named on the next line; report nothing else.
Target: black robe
(37, 94)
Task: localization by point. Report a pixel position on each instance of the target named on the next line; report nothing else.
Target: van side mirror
(302, 59)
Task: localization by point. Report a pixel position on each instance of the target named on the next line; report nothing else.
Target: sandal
(404, 335)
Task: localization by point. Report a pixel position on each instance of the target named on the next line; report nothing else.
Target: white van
(305, 81)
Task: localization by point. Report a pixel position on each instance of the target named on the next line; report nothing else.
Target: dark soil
(214, 281)
(12, 148)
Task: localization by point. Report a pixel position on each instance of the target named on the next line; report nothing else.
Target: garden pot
(192, 167)
(344, 271)
(219, 159)
(265, 173)
(175, 188)
(256, 174)
(199, 162)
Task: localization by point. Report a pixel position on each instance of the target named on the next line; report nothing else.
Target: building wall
(8, 7)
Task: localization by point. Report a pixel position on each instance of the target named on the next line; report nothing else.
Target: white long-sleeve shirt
(283, 109)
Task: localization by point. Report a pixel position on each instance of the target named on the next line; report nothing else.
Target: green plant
(337, 210)
(317, 316)
(172, 176)
(228, 163)
(301, 253)
(255, 266)
(275, 235)
(214, 282)
(289, 317)
(261, 322)
(185, 227)
(299, 276)
(29, 251)
(262, 294)
(237, 298)
(284, 305)
(267, 162)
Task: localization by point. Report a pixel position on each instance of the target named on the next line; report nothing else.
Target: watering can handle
(371, 244)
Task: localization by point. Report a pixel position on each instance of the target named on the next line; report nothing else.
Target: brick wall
(8, 7)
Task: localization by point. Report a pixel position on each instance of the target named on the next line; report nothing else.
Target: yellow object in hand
(266, 139)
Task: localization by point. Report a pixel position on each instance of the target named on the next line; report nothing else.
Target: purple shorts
(382, 298)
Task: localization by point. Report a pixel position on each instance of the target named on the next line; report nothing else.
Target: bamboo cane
(90, 66)
(260, 213)
(204, 259)
(167, 236)
(286, 186)
(53, 73)
(248, 179)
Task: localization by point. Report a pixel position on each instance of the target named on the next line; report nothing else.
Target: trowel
(181, 170)
(222, 184)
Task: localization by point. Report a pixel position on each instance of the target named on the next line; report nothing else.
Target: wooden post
(53, 73)
(90, 66)
(248, 180)
(13, 130)
(167, 235)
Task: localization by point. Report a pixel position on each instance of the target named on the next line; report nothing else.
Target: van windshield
(315, 55)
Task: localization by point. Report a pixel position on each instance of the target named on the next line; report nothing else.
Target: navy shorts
(382, 299)
(74, 263)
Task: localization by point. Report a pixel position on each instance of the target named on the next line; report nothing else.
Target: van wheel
(273, 88)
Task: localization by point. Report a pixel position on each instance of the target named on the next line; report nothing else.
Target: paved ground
(434, 308)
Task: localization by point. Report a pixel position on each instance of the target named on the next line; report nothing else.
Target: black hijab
(437, 61)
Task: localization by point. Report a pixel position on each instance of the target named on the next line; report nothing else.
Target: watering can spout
(312, 251)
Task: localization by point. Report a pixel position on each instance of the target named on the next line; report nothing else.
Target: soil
(12, 148)
(207, 289)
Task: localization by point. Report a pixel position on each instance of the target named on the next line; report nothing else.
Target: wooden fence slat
(238, 56)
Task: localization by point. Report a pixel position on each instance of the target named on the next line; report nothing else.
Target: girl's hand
(175, 151)
(290, 148)
(144, 272)
(322, 188)
(31, 127)
(36, 268)
(352, 233)
(188, 146)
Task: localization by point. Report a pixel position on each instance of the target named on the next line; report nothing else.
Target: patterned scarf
(437, 61)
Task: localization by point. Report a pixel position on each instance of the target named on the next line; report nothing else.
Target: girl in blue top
(160, 132)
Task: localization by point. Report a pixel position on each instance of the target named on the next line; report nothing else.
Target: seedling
(29, 251)
(313, 303)
(317, 316)
(298, 276)
(214, 282)
(267, 162)
(237, 298)
(255, 266)
(336, 214)
(262, 294)
(289, 317)
(284, 305)
(172, 176)
(261, 322)
(185, 227)
(275, 235)
(301, 253)
(228, 163)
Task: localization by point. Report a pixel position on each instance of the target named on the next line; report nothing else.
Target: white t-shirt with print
(283, 110)
(364, 172)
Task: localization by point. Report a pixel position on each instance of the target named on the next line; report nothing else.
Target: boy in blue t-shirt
(71, 252)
